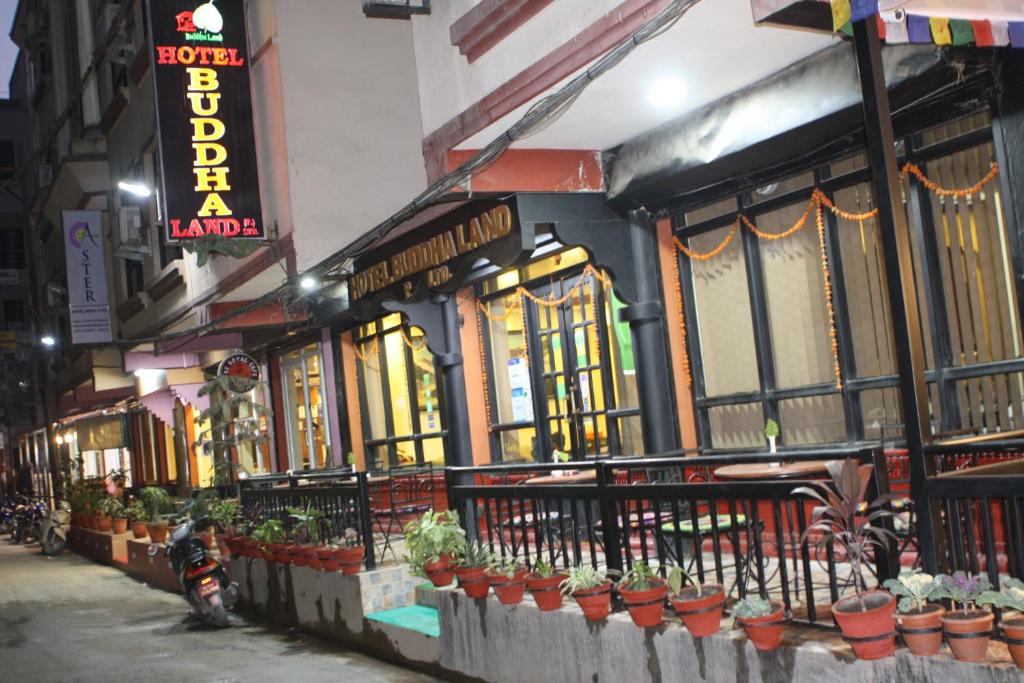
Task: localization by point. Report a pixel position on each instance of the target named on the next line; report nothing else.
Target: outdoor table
(584, 477)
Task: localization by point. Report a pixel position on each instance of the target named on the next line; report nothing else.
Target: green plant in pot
(307, 529)
(137, 518)
(968, 628)
(346, 552)
(643, 590)
(157, 503)
(591, 590)
(867, 618)
(698, 605)
(269, 533)
(544, 584)
(761, 619)
(105, 517)
(1010, 599)
(508, 581)
(471, 565)
(920, 622)
(771, 432)
(432, 541)
(118, 513)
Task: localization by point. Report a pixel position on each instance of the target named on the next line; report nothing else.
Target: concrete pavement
(71, 620)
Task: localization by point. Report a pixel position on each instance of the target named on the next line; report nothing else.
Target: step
(412, 617)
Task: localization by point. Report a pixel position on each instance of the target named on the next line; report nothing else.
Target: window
(305, 415)
(400, 397)
(133, 276)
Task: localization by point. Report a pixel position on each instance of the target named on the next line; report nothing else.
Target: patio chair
(409, 492)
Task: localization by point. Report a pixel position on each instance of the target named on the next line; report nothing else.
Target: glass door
(307, 432)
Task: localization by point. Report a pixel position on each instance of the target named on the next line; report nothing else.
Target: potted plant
(306, 530)
(268, 534)
(508, 581)
(137, 517)
(698, 605)
(157, 503)
(771, 432)
(867, 618)
(761, 619)
(224, 513)
(591, 590)
(351, 552)
(432, 541)
(968, 629)
(644, 592)
(920, 623)
(104, 516)
(116, 479)
(1011, 597)
(118, 514)
(471, 565)
(544, 584)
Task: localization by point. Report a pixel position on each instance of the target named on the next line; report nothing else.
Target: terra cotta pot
(351, 560)
(474, 581)
(968, 634)
(509, 589)
(119, 525)
(103, 523)
(139, 530)
(546, 591)
(596, 603)
(702, 615)
(868, 623)
(765, 632)
(157, 531)
(1013, 634)
(646, 606)
(440, 572)
(328, 558)
(922, 630)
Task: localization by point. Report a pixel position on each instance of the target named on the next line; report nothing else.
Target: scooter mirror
(154, 549)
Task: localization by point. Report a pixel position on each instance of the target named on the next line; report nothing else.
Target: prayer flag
(918, 30)
(963, 32)
(840, 14)
(940, 31)
(983, 34)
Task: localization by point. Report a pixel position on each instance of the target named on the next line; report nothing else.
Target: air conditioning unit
(56, 296)
(129, 235)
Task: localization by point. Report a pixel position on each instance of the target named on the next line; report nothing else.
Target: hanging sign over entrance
(239, 365)
(200, 60)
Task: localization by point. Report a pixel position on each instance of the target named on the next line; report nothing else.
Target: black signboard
(200, 62)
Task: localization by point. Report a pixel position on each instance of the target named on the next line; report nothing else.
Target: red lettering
(165, 54)
(176, 228)
(230, 227)
(220, 56)
(204, 54)
(211, 226)
(186, 55)
(233, 58)
(195, 229)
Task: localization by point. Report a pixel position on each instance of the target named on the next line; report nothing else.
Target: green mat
(413, 617)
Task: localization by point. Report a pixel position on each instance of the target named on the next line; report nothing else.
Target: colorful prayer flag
(896, 32)
(962, 31)
(918, 30)
(983, 34)
(840, 14)
(862, 9)
(940, 31)
(1016, 31)
(1000, 33)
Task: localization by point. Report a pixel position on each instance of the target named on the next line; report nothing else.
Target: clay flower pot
(922, 630)
(298, 555)
(1013, 634)
(119, 525)
(139, 530)
(281, 552)
(440, 572)
(351, 560)
(311, 560)
(328, 558)
(224, 544)
(547, 592)
(474, 581)
(157, 531)
(596, 603)
(103, 523)
(702, 615)
(868, 623)
(765, 632)
(968, 634)
(646, 606)
(509, 590)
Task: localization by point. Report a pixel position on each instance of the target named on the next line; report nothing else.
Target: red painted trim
(583, 48)
(490, 22)
(537, 170)
(271, 314)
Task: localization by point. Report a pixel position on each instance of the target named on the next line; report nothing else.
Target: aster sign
(200, 59)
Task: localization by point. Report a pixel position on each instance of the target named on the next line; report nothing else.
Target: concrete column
(646, 323)
(86, 46)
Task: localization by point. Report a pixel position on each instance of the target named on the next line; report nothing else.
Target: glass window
(308, 433)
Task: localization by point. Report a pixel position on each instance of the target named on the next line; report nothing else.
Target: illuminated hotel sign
(200, 61)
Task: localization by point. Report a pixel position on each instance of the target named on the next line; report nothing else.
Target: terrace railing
(748, 536)
(342, 495)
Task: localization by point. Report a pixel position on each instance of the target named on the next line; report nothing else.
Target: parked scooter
(54, 533)
(28, 515)
(208, 588)
(7, 516)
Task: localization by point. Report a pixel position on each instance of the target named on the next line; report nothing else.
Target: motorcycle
(7, 516)
(54, 533)
(28, 515)
(208, 588)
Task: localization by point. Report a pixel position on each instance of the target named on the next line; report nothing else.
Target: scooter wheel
(53, 545)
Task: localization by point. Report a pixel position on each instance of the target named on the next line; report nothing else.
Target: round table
(584, 477)
(769, 470)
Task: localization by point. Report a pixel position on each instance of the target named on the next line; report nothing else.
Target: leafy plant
(1010, 597)
(474, 555)
(841, 521)
(113, 507)
(639, 578)
(307, 525)
(270, 531)
(137, 511)
(156, 501)
(771, 428)
(962, 589)
(543, 570)
(752, 607)
(224, 513)
(205, 500)
(349, 539)
(582, 577)
(677, 576)
(914, 588)
(432, 535)
(507, 567)
(118, 477)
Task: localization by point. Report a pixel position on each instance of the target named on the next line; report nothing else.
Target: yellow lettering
(213, 205)
(207, 129)
(212, 179)
(501, 221)
(209, 153)
(211, 107)
(201, 79)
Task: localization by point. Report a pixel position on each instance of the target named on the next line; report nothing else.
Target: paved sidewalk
(69, 619)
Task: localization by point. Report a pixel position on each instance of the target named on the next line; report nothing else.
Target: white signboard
(519, 383)
(87, 277)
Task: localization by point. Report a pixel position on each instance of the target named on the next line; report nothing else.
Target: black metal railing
(746, 535)
(342, 495)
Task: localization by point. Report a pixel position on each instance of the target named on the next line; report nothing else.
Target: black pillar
(646, 324)
(454, 377)
(896, 251)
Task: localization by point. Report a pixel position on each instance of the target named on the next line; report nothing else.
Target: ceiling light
(666, 93)
(148, 372)
(136, 188)
(48, 341)
(308, 283)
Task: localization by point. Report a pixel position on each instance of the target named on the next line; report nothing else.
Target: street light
(134, 188)
(48, 341)
(308, 283)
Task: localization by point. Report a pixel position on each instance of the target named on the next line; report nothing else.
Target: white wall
(351, 121)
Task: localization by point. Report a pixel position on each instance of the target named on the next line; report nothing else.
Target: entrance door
(571, 367)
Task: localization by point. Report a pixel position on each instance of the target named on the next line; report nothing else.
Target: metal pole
(896, 252)
(645, 318)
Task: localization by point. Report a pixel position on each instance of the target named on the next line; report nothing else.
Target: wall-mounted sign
(200, 60)
(239, 365)
(442, 255)
(88, 306)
